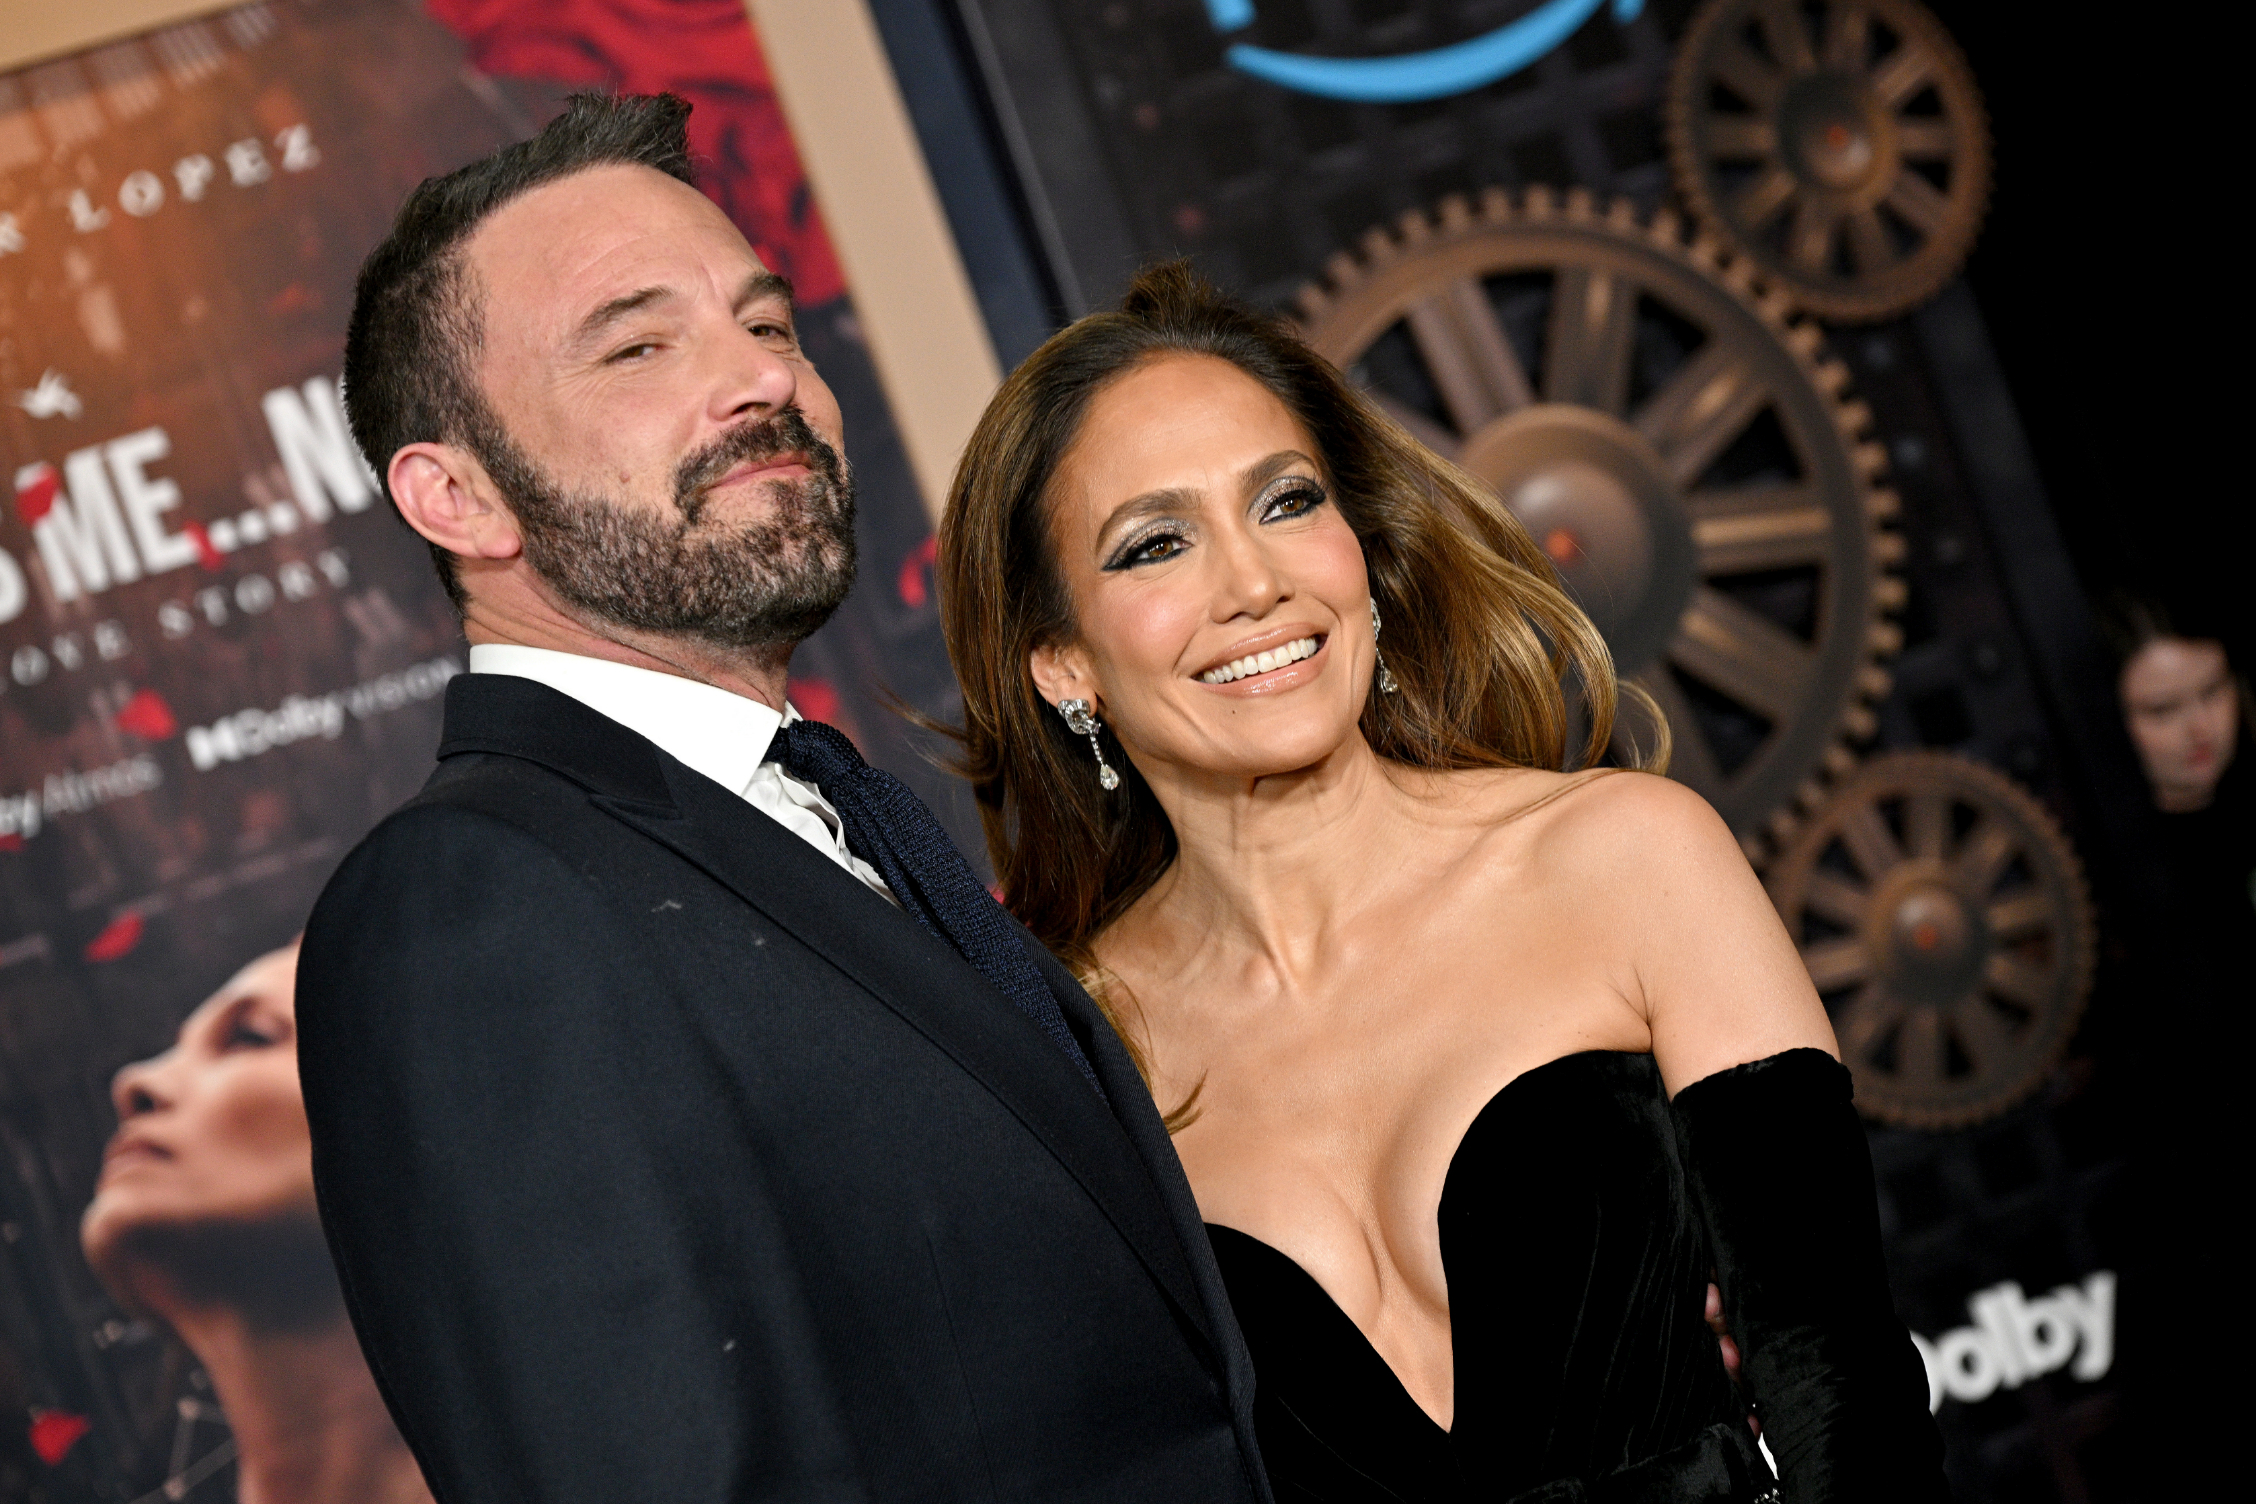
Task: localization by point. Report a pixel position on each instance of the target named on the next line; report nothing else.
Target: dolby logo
(2014, 1339)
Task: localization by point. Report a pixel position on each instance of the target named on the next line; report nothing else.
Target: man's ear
(446, 495)
(1062, 673)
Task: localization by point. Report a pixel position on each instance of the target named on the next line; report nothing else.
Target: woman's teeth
(1261, 663)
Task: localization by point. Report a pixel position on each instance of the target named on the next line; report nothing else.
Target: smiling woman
(1342, 475)
(1479, 1061)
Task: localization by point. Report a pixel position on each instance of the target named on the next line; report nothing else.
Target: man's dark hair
(417, 317)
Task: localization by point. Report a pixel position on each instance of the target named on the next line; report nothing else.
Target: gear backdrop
(1682, 282)
(221, 655)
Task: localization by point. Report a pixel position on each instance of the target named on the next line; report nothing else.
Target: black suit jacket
(662, 1160)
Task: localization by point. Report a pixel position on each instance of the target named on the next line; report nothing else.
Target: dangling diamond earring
(1387, 686)
(1081, 722)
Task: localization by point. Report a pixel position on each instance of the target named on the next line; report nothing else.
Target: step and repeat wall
(222, 656)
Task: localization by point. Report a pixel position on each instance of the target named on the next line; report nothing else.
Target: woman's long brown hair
(1496, 664)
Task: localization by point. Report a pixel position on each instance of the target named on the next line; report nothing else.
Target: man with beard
(688, 1124)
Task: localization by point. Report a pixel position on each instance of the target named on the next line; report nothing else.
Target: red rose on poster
(147, 716)
(817, 700)
(117, 939)
(915, 583)
(35, 492)
(55, 1432)
(703, 50)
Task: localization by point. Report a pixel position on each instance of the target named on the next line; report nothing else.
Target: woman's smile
(1279, 660)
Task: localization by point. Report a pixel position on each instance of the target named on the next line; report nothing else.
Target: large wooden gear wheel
(1676, 443)
(1945, 921)
(1840, 144)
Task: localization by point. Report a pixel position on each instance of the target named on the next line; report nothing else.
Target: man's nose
(749, 378)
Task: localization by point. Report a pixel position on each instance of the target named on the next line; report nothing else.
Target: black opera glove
(1783, 1179)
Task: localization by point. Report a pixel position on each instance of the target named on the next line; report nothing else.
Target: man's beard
(765, 583)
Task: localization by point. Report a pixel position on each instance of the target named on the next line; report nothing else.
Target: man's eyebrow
(760, 284)
(593, 327)
(765, 284)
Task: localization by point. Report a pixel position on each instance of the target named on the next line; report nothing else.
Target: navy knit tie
(890, 828)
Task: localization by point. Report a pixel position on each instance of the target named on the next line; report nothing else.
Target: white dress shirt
(725, 736)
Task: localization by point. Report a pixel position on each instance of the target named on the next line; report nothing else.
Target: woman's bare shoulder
(1601, 804)
(1631, 832)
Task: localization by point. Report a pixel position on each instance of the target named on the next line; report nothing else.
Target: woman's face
(1196, 532)
(2179, 701)
(214, 1129)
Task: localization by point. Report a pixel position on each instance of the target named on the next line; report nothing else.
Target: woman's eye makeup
(1151, 546)
(1296, 496)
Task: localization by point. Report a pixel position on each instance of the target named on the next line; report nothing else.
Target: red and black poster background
(221, 655)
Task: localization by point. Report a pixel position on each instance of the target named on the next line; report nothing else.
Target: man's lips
(774, 467)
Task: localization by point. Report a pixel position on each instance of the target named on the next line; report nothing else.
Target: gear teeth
(1715, 27)
(1394, 260)
(2051, 873)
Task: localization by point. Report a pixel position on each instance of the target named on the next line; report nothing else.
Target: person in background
(204, 1220)
(2183, 971)
(2183, 706)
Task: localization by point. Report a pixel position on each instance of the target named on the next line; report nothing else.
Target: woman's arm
(1775, 1153)
(1708, 963)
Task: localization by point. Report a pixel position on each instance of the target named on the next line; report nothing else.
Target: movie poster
(222, 657)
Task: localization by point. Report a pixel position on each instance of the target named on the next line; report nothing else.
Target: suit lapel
(939, 995)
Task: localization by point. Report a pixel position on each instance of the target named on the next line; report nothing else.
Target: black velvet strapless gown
(1580, 1221)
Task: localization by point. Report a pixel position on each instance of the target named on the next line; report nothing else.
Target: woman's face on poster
(213, 1130)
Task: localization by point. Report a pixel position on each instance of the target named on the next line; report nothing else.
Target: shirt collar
(720, 734)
